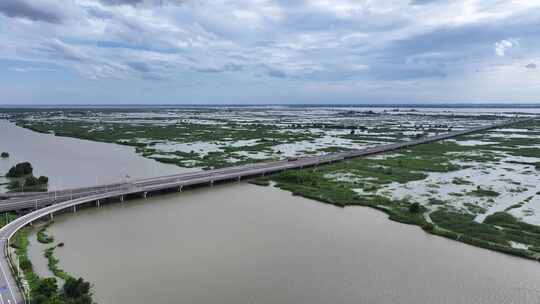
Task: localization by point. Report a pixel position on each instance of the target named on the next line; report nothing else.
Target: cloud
(139, 66)
(139, 2)
(30, 69)
(422, 2)
(286, 43)
(121, 2)
(31, 11)
(57, 48)
(531, 66)
(275, 73)
(502, 46)
(228, 67)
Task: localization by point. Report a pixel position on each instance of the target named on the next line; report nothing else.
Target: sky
(269, 51)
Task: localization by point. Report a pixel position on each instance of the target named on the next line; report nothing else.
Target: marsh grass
(414, 164)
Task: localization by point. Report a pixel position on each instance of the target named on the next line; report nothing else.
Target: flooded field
(222, 136)
(500, 174)
(240, 243)
(481, 189)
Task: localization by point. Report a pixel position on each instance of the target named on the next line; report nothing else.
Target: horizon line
(359, 104)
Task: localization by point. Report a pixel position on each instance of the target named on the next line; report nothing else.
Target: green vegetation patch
(312, 184)
(474, 208)
(462, 223)
(20, 170)
(480, 192)
(22, 179)
(264, 137)
(52, 263)
(366, 175)
(42, 235)
(46, 290)
(461, 181)
(507, 220)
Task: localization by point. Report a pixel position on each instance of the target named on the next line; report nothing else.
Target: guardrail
(15, 270)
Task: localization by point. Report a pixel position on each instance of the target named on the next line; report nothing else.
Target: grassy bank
(46, 290)
(42, 235)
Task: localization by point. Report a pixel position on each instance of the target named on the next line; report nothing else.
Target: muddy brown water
(240, 243)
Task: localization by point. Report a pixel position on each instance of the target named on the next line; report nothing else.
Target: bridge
(42, 205)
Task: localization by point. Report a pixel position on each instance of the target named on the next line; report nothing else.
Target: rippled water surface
(240, 243)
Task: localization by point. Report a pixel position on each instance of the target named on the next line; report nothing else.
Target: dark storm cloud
(24, 9)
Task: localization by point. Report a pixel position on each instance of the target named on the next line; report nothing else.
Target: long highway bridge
(40, 205)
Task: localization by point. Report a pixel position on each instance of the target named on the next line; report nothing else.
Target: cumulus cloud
(32, 10)
(502, 46)
(308, 43)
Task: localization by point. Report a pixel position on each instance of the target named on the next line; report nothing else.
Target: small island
(4, 155)
(20, 170)
(24, 180)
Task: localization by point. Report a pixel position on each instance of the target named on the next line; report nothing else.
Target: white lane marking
(7, 279)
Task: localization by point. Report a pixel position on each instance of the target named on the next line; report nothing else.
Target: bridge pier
(239, 178)
(98, 203)
(121, 198)
(211, 183)
(51, 216)
(74, 209)
(145, 193)
(180, 188)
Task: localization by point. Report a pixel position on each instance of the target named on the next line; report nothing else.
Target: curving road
(46, 204)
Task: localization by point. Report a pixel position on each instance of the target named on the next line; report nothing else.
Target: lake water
(70, 162)
(239, 243)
